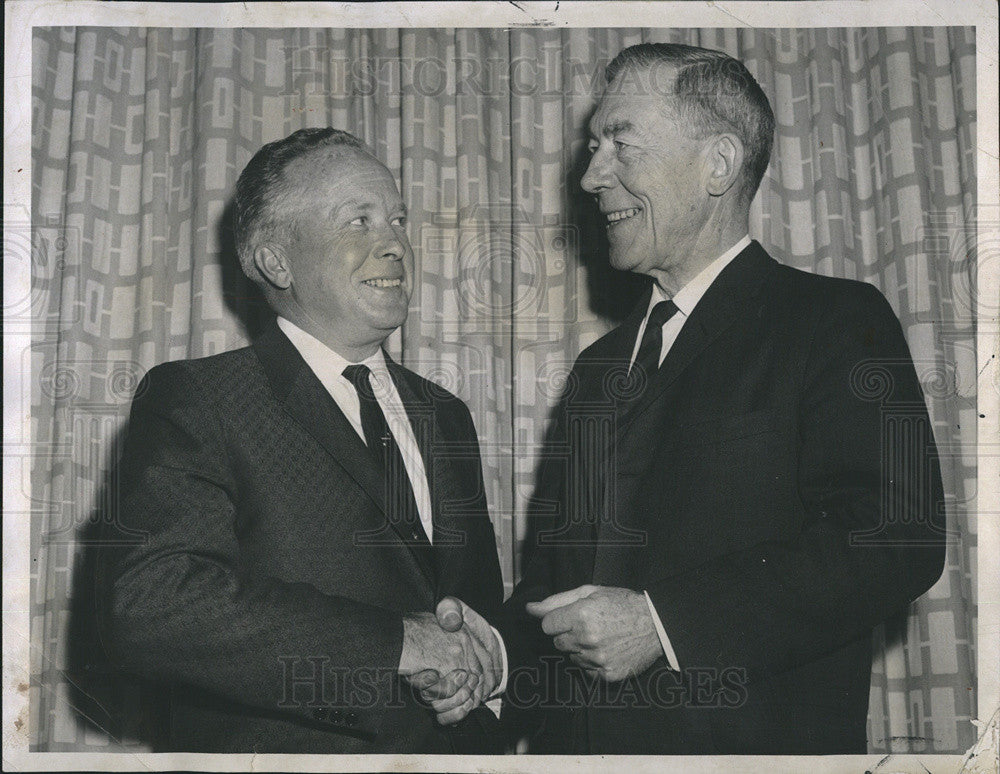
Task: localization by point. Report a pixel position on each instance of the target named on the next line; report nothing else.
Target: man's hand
(459, 691)
(606, 630)
(430, 647)
(430, 682)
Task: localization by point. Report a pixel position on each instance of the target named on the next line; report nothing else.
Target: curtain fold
(140, 134)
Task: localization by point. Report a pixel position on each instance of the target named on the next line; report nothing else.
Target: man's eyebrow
(610, 130)
(365, 206)
(360, 204)
(622, 125)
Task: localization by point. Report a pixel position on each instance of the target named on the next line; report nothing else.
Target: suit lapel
(420, 412)
(593, 407)
(307, 401)
(441, 479)
(603, 370)
(726, 302)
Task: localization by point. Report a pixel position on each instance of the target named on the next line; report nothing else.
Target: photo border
(22, 15)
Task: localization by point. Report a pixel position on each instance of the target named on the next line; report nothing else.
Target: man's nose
(392, 247)
(598, 175)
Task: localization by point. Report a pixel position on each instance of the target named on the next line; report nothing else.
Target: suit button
(338, 716)
(320, 713)
(352, 718)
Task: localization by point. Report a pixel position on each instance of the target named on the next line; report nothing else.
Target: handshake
(453, 658)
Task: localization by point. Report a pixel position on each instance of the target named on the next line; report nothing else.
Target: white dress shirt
(329, 366)
(685, 300)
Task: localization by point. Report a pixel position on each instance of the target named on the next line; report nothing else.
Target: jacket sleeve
(176, 605)
(869, 482)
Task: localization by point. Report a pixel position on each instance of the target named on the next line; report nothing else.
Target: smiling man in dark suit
(305, 503)
(741, 481)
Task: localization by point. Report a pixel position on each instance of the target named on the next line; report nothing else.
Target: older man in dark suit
(305, 502)
(741, 480)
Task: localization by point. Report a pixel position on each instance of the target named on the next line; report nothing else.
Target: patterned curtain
(139, 136)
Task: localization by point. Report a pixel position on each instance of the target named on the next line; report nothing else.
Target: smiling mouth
(383, 282)
(619, 215)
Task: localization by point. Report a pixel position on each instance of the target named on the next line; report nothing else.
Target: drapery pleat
(139, 136)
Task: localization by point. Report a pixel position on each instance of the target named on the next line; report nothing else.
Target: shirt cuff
(668, 649)
(494, 702)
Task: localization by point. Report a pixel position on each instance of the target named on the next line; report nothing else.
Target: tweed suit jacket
(253, 572)
(776, 490)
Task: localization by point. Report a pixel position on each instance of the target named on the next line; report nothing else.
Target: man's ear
(272, 264)
(725, 162)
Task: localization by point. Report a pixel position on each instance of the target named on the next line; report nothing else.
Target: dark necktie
(401, 504)
(648, 356)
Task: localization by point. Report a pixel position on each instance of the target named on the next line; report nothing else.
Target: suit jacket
(774, 487)
(252, 570)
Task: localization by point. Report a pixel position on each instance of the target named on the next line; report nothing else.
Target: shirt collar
(323, 361)
(688, 296)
